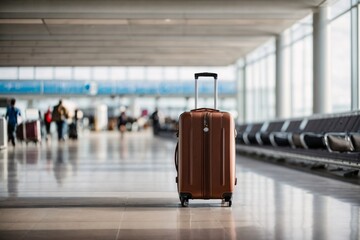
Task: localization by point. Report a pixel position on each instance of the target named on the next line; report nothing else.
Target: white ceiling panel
(140, 32)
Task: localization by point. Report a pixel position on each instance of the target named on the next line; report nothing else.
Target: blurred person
(122, 121)
(42, 124)
(47, 121)
(59, 115)
(12, 114)
(155, 121)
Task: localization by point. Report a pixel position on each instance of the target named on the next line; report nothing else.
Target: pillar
(321, 81)
(355, 63)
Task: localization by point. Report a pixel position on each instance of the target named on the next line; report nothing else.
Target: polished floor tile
(106, 187)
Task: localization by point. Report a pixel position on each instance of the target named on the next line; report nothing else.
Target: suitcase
(20, 132)
(32, 131)
(3, 133)
(73, 133)
(205, 153)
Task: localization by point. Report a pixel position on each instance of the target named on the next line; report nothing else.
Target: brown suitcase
(32, 131)
(205, 154)
(20, 132)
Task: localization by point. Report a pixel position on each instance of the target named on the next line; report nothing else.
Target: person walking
(155, 121)
(47, 121)
(59, 115)
(122, 121)
(12, 114)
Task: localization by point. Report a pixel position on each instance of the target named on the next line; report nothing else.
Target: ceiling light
(244, 22)
(86, 21)
(166, 21)
(21, 21)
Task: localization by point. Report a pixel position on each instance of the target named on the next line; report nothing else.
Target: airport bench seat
(330, 138)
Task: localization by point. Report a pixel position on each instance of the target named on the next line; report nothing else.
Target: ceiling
(140, 32)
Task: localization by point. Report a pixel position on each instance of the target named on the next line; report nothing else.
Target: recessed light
(86, 21)
(21, 21)
(166, 21)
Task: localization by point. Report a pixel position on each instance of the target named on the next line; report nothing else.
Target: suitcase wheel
(227, 197)
(184, 201)
(228, 201)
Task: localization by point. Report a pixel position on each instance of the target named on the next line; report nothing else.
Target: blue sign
(50, 87)
(20, 87)
(64, 87)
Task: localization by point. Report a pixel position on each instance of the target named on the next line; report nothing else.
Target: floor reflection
(61, 165)
(12, 178)
(135, 176)
(289, 212)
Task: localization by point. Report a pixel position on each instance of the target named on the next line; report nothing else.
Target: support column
(282, 85)
(134, 110)
(355, 63)
(321, 81)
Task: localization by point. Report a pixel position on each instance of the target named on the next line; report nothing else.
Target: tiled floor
(105, 187)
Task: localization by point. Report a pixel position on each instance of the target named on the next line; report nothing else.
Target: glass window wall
(26, 73)
(118, 73)
(101, 73)
(260, 83)
(44, 73)
(340, 56)
(341, 64)
(63, 73)
(82, 73)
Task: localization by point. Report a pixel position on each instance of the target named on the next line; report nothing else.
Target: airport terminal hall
(182, 119)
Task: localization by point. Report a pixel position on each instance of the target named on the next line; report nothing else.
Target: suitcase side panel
(190, 175)
(32, 129)
(20, 132)
(222, 154)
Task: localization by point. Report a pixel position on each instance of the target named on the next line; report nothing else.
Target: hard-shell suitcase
(73, 132)
(205, 154)
(32, 131)
(20, 132)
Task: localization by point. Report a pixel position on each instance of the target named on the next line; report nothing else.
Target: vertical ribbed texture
(222, 155)
(190, 157)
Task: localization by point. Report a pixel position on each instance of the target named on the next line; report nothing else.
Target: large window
(301, 76)
(44, 73)
(250, 92)
(118, 73)
(26, 73)
(63, 73)
(136, 73)
(340, 56)
(8, 73)
(155, 73)
(82, 73)
(260, 83)
(101, 73)
(260, 74)
(298, 66)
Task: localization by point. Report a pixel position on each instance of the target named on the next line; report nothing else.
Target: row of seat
(334, 133)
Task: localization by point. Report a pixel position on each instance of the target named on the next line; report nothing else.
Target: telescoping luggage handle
(206, 74)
